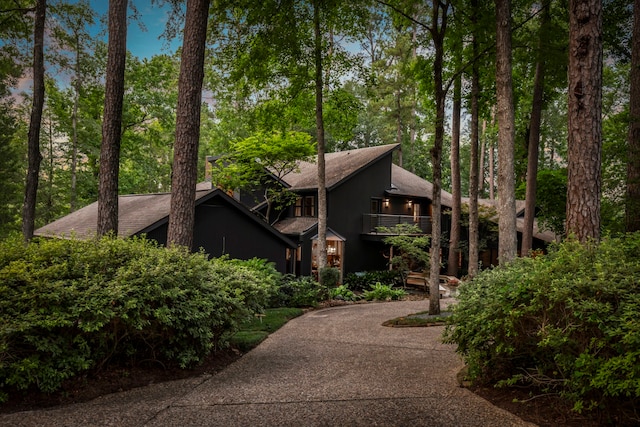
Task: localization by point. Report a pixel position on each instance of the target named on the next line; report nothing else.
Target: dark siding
(221, 229)
(347, 203)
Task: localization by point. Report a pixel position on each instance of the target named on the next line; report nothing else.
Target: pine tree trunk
(439, 23)
(112, 119)
(322, 188)
(185, 155)
(474, 222)
(74, 126)
(534, 141)
(633, 167)
(456, 208)
(585, 119)
(507, 237)
(33, 139)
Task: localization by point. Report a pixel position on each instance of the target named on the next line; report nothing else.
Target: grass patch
(419, 319)
(255, 330)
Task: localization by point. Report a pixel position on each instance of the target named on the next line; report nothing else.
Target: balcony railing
(371, 222)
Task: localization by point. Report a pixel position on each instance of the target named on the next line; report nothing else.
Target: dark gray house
(365, 190)
(222, 225)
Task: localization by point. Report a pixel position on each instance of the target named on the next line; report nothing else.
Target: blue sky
(143, 44)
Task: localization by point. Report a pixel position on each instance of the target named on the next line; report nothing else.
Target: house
(365, 190)
(223, 226)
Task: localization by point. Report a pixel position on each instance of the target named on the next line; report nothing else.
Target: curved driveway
(332, 367)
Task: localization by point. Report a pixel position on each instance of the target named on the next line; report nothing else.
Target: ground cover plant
(254, 330)
(359, 282)
(380, 292)
(564, 323)
(71, 306)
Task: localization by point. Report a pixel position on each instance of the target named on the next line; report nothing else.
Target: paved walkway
(332, 367)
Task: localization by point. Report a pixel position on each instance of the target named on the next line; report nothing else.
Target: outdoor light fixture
(386, 203)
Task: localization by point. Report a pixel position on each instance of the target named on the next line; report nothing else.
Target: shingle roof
(338, 167)
(408, 184)
(295, 225)
(136, 212)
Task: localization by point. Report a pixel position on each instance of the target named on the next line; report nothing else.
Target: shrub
(329, 276)
(564, 323)
(301, 291)
(70, 306)
(342, 292)
(382, 292)
(364, 281)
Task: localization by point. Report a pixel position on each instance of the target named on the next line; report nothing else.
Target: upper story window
(305, 206)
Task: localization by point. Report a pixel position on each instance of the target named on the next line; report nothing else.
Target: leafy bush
(364, 281)
(380, 292)
(301, 291)
(342, 292)
(254, 281)
(70, 306)
(565, 323)
(410, 247)
(329, 276)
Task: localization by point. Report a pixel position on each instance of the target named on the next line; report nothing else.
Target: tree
(112, 119)
(585, 119)
(185, 158)
(534, 139)
(474, 219)
(254, 162)
(507, 237)
(456, 209)
(33, 141)
(322, 186)
(633, 140)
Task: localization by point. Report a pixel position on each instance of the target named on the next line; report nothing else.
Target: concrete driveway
(332, 367)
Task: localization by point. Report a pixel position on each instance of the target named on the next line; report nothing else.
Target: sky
(143, 44)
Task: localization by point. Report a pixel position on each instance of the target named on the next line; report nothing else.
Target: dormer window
(305, 206)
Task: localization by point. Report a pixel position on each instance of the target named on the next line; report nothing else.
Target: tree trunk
(35, 122)
(185, 155)
(456, 208)
(633, 166)
(507, 237)
(534, 141)
(585, 119)
(322, 188)
(112, 119)
(474, 222)
(74, 126)
(492, 159)
(483, 148)
(438, 28)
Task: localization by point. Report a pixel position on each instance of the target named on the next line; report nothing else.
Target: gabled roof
(136, 212)
(141, 213)
(339, 167)
(407, 184)
(296, 225)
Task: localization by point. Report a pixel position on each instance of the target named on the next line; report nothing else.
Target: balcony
(371, 222)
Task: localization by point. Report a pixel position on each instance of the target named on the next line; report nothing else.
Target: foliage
(363, 281)
(70, 306)
(410, 247)
(380, 292)
(342, 292)
(303, 291)
(254, 330)
(551, 199)
(329, 276)
(261, 161)
(565, 323)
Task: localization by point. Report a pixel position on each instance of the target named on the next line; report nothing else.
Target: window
(305, 206)
(375, 206)
(309, 206)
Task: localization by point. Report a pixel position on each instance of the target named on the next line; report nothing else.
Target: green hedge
(565, 323)
(366, 280)
(69, 306)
